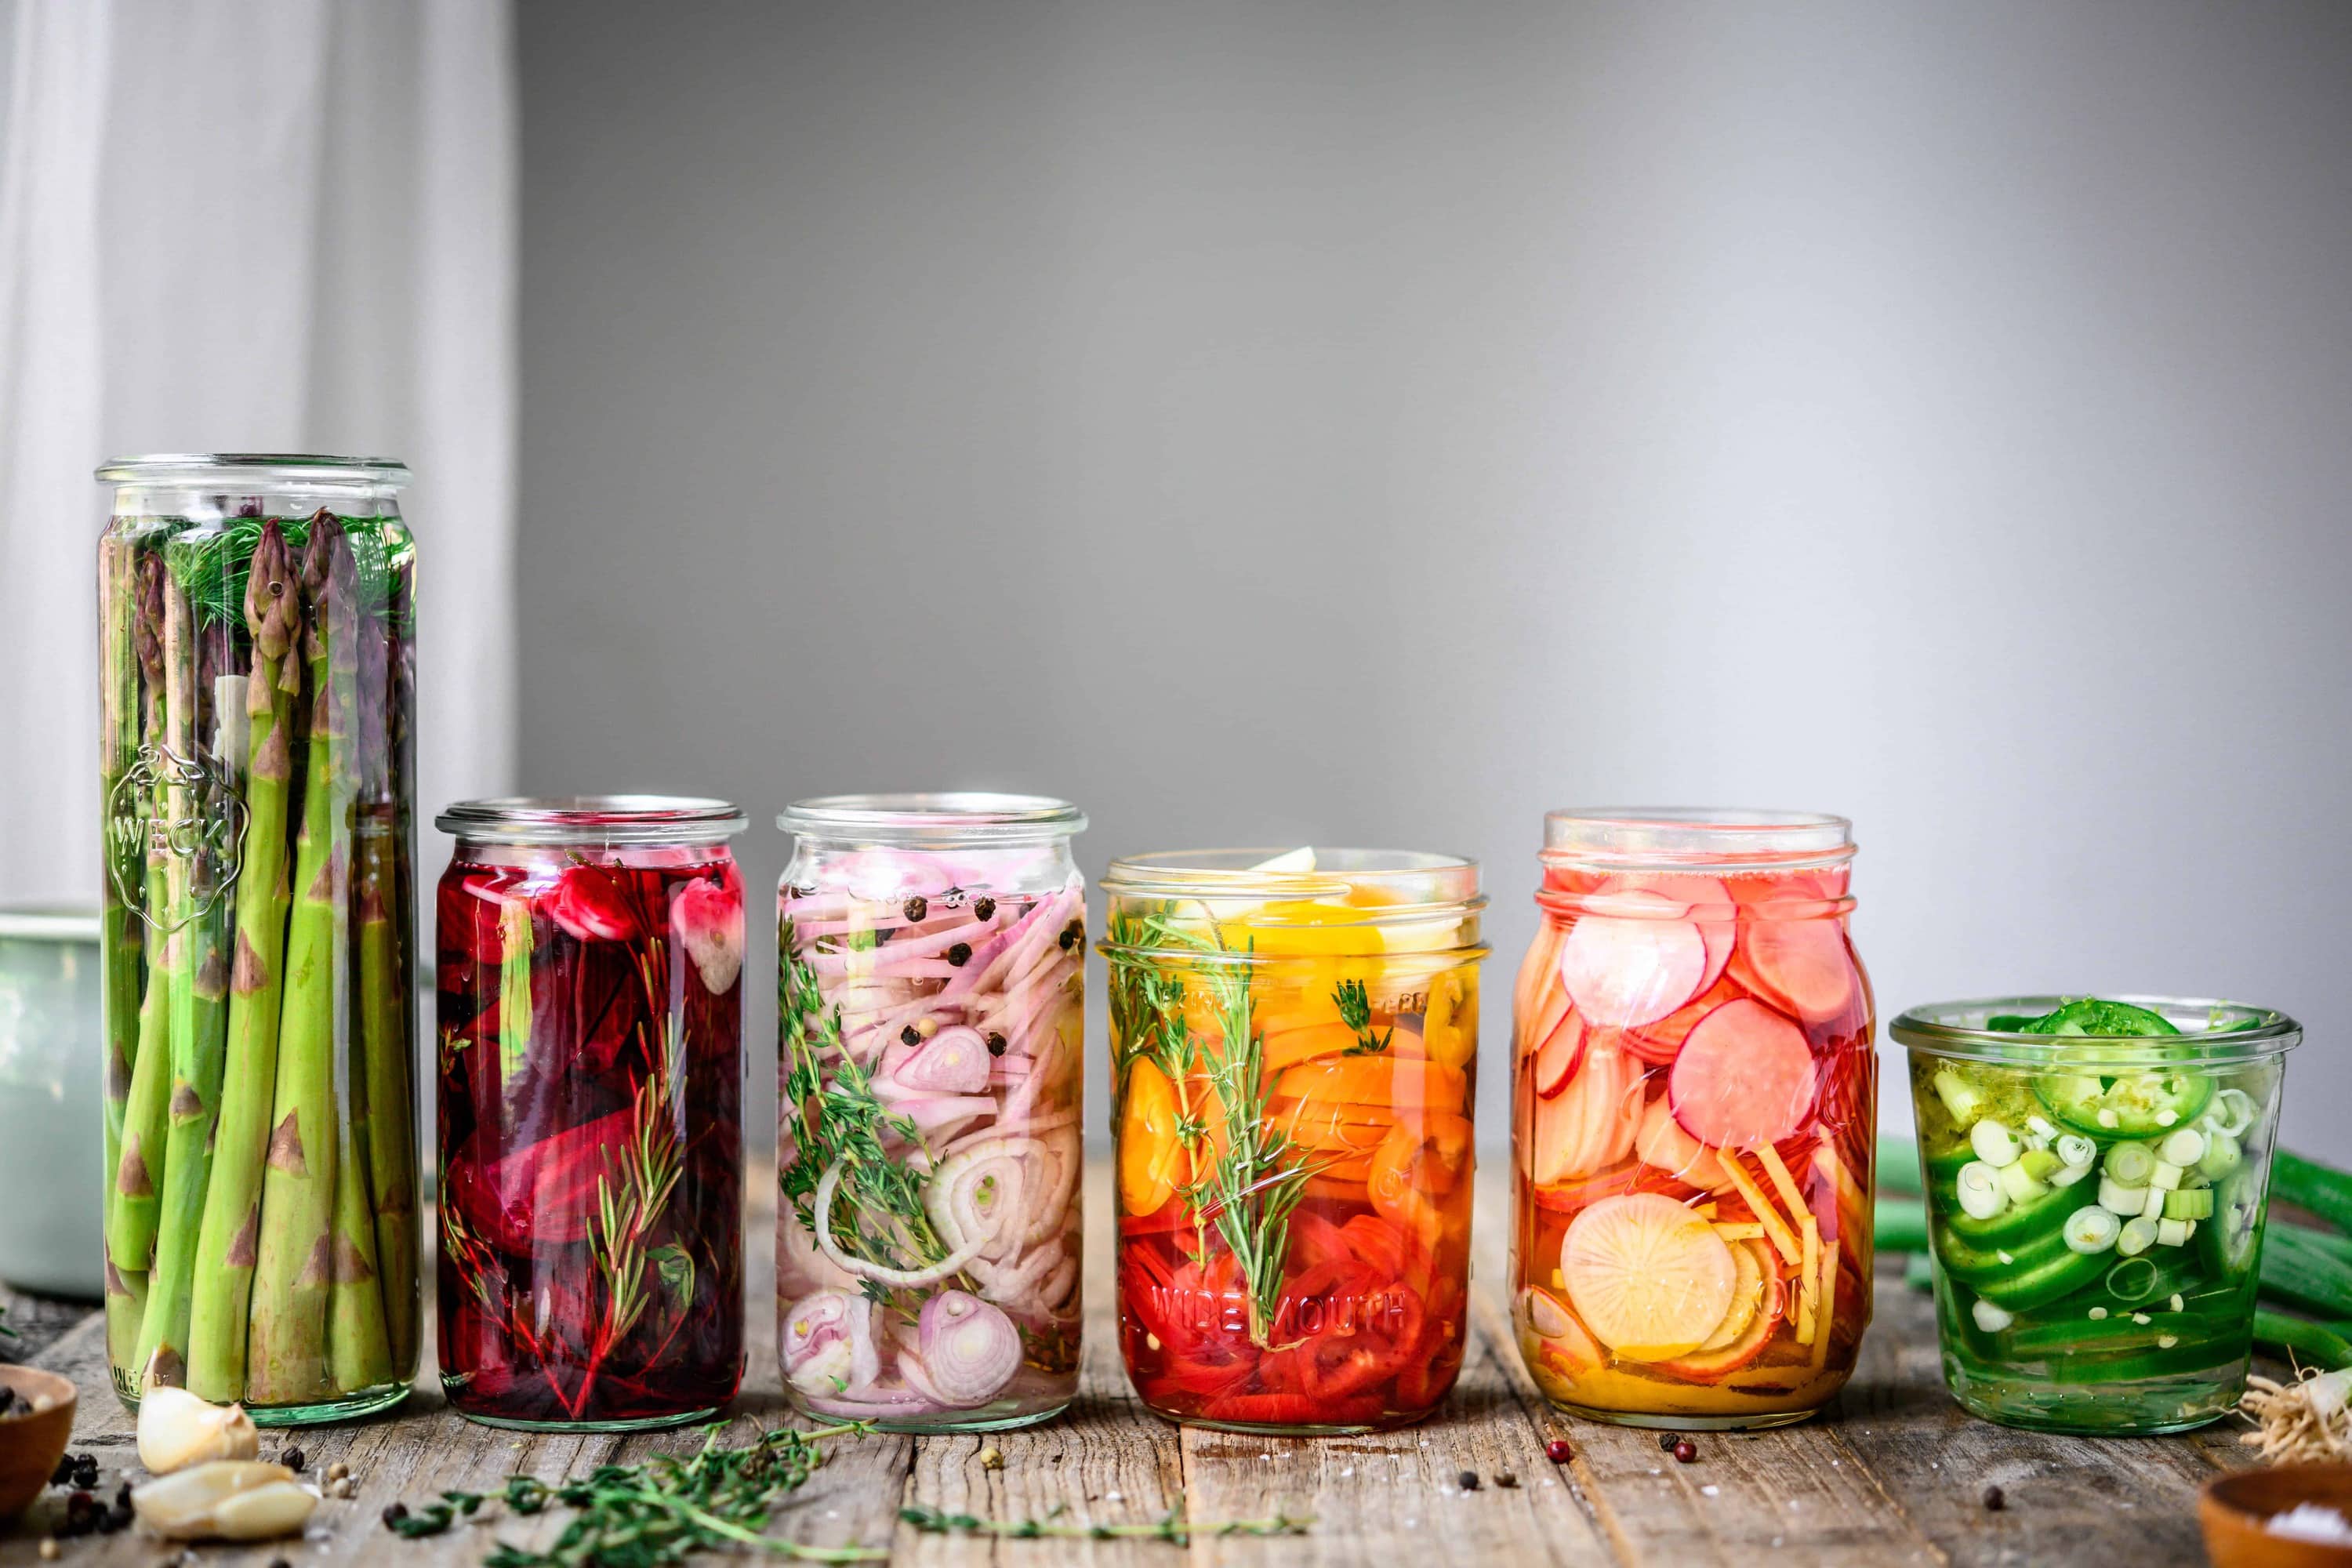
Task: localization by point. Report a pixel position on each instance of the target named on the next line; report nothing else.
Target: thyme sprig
(1355, 1005)
(658, 1512)
(1171, 1526)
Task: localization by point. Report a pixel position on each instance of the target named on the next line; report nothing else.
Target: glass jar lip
(281, 468)
(593, 819)
(48, 922)
(1304, 873)
(1956, 1029)
(1631, 836)
(933, 819)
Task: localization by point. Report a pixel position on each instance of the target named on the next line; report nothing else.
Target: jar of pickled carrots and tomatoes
(1693, 1099)
(1295, 1041)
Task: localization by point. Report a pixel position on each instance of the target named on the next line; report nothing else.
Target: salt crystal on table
(2311, 1522)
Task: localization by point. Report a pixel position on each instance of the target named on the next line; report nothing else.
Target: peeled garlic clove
(177, 1429)
(224, 1499)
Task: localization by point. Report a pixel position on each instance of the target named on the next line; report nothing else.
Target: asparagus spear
(359, 1348)
(287, 1345)
(131, 1220)
(125, 871)
(230, 1233)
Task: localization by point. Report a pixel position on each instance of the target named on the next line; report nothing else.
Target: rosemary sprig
(1171, 1526)
(657, 1512)
(1355, 1004)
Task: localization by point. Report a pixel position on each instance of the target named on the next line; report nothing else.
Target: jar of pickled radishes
(930, 1044)
(590, 1111)
(1295, 1044)
(1694, 1105)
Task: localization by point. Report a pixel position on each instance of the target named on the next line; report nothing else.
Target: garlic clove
(177, 1429)
(224, 1500)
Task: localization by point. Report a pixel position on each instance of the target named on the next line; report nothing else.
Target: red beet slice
(1743, 1078)
(1623, 971)
(1802, 964)
(544, 1193)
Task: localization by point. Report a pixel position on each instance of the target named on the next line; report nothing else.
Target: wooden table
(1894, 1473)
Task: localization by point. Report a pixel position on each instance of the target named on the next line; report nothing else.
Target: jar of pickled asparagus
(2096, 1172)
(258, 643)
(1694, 1101)
(932, 957)
(591, 962)
(1295, 1043)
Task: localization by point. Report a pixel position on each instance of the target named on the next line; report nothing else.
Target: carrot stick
(1783, 1182)
(1810, 1287)
(1829, 1305)
(1784, 1240)
(1731, 1231)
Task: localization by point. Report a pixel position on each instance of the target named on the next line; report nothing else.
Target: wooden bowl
(30, 1446)
(2234, 1508)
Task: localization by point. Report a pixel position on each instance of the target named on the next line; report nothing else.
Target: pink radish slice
(1623, 971)
(1803, 963)
(1677, 892)
(1744, 1077)
(1559, 1055)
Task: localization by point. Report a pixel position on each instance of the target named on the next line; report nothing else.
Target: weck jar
(591, 1067)
(1694, 1100)
(1295, 1045)
(931, 958)
(256, 709)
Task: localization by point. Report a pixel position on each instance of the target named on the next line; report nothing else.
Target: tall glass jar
(931, 959)
(591, 962)
(257, 690)
(1296, 1042)
(1694, 1105)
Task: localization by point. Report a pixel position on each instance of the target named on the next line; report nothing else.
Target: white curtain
(250, 226)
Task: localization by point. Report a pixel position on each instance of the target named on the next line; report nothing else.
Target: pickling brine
(1694, 1101)
(1294, 1040)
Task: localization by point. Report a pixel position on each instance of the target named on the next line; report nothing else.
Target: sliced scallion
(1979, 1188)
(2131, 1164)
(1995, 1144)
(2091, 1229)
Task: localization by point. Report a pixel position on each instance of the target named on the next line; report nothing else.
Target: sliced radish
(1589, 1125)
(1660, 1041)
(1557, 1057)
(1756, 1310)
(1535, 1025)
(1622, 971)
(1557, 1336)
(1650, 1279)
(1744, 1077)
(1625, 1176)
(1705, 901)
(1663, 1144)
(1802, 964)
(1536, 971)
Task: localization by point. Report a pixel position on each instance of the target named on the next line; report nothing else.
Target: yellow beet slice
(1650, 1279)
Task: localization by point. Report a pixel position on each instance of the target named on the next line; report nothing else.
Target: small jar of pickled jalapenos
(2096, 1173)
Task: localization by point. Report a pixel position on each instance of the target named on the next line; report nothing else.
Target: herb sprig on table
(1171, 1526)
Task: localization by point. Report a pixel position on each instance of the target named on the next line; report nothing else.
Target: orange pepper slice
(1294, 1045)
(1388, 1082)
(1152, 1162)
(1417, 1165)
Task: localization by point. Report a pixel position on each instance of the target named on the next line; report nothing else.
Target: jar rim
(933, 819)
(593, 819)
(1304, 873)
(1623, 836)
(2212, 1032)
(283, 468)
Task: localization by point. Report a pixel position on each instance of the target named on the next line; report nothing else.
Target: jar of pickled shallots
(590, 1111)
(932, 957)
(1694, 1098)
(258, 645)
(1294, 1040)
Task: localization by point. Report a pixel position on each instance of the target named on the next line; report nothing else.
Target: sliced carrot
(1336, 1185)
(1417, 1168)
(1388, 1082)
(1321, 1126)
(1782, 1182)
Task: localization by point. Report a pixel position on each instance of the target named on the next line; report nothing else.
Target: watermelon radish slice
(1649, 1279)
(1744, 1077)
(1623, 971)
(1557, 1057)
(1747, 1327)
(1801, 963)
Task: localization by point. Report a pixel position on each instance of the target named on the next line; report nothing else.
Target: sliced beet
(1622, 970)
(1744, 1077)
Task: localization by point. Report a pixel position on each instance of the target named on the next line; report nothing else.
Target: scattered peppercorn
(1668, 1440)
(1506, 1480)
(85, 1474)
(394, 1515)
(292, 1460)
(111, 1519)
(996, 1043)
(992, 1458)
(122, 1495)
(917, 907)
(1685, 1452)
(1468, 1480)
(909, 1035)
(1993, 1500)
(1558, 1451)
(1064, 940)
(64, 1472)
(959, 954)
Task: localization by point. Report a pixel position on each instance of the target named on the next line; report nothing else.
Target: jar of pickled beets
(1694, 1098)
(930, 1050)
(1294, 1040)
(590, 1111)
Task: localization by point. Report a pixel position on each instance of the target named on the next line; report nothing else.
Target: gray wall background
(1379, 424)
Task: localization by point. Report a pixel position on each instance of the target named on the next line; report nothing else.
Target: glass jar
(1694, 1114)
(257, 644)
(50, 1061)
(1294, 1040)
(931, 958)
(591, 998)
(2096, 1175)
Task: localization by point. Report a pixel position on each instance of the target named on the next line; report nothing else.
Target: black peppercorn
(292, 1459)
(394, 1515)
(122, 1495)
(909, 1035)
(983, 909)
(917, 907)
(1506, 1480)
(959, 954)
(1668, 1440)
(996, 1043)
(1468, 1480)
(1064, 940)
(64, 1472)
(1993, 1500)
